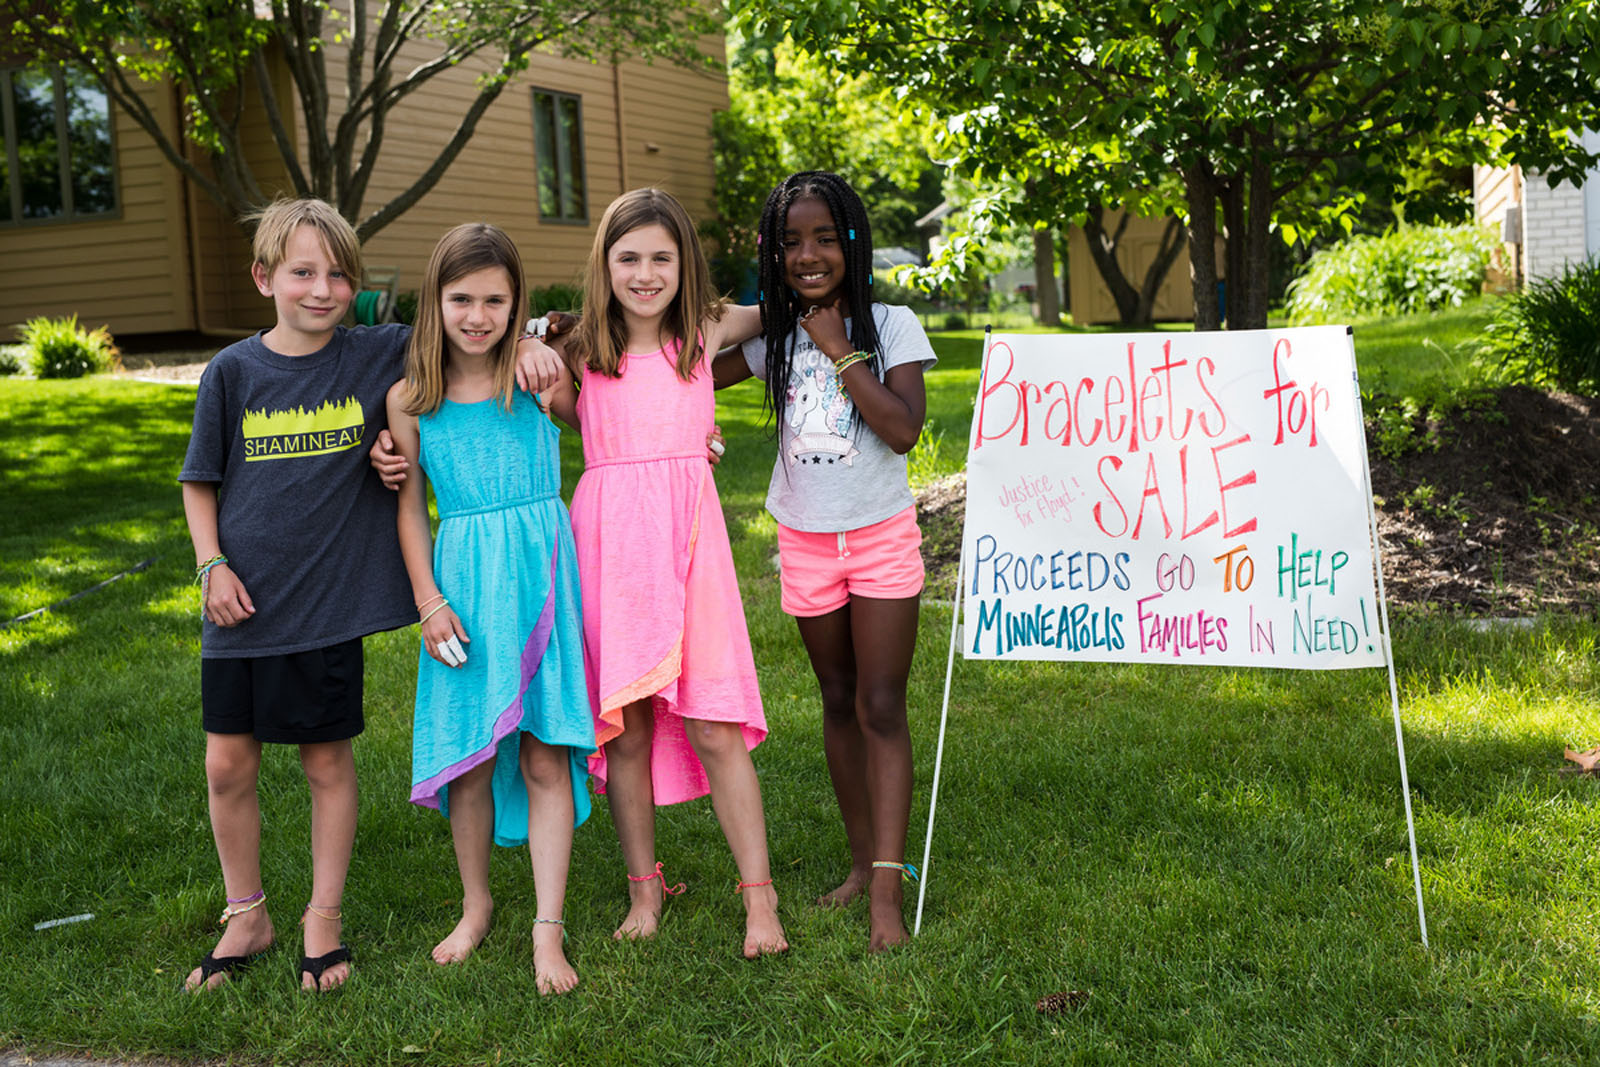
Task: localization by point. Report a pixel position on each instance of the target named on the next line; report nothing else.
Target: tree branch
(280, 132)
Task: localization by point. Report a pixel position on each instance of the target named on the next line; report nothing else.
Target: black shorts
(300, 698)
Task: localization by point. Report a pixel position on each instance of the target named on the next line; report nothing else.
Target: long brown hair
(600, 339)
(468, 248)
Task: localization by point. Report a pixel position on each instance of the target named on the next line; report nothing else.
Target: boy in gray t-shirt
(296, 551)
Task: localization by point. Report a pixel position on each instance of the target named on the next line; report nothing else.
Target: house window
(558, 156)
(57, 163)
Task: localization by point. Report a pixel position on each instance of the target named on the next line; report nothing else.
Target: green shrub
(11, 357)
(60, 348)
(1407, 270)
(1548, 334)
(886, 289)
(405, 307)
(543, 299)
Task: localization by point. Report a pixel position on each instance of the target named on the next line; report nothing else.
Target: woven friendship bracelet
(908, 872)
(202, 574)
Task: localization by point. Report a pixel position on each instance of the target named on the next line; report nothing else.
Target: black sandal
(315, 966)
(228, 965)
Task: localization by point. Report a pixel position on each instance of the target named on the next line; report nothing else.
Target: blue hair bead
(852, 235)
(761, 294)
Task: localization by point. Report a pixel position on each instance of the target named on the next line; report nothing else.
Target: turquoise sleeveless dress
(504, 556)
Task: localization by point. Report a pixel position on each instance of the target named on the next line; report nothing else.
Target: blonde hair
(465, 250)
(275, 225)
(601, 336)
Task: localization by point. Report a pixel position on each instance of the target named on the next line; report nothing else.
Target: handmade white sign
(1192, 498)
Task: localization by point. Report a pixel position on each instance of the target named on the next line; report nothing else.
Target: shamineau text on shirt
(302, 517)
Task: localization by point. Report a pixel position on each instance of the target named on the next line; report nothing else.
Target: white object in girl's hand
(538, 327)
(451, 652)
(717, 446)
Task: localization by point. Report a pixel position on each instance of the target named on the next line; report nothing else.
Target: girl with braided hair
(844, 386)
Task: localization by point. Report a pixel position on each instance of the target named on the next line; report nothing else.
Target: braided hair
(780, 305)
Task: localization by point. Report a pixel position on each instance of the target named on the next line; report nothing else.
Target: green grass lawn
(1217, 857)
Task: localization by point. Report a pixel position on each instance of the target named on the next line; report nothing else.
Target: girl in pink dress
(672, 682)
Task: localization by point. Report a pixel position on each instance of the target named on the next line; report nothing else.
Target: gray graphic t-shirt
(302, 517)
(833, 473)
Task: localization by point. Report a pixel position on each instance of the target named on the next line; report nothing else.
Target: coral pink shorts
(820, 572)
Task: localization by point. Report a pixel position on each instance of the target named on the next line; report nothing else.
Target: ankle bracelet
(657, 873)
(908, 872)
(242, 905)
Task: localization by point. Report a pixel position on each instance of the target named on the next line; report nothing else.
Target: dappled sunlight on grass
(57, 567)
(50, 627)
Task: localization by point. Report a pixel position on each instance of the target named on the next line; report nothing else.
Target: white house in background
(1545, 227)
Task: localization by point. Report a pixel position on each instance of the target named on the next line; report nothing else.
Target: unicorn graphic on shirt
(819, 414)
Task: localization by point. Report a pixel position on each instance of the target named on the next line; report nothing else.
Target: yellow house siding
(175, 260)
(1495, 191)
(667, 129)
(494, 178)
(128, 272)
(228, 298)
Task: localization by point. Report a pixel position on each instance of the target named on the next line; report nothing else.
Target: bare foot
(763, 933)
(644, 911)
(322, 937)
(551, 971)
(467, 936)
(887, 927)
(247, 934)
(1586, 760)
(853, 886)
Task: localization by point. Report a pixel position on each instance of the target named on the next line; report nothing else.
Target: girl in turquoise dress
(502, 727)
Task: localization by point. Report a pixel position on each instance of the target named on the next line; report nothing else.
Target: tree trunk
(1200, 190)
(1066, 275)
(1232, 194)
(1166, 252)
(1103, 250)
(1256, 242)
(1044, 278)
(1135, 306)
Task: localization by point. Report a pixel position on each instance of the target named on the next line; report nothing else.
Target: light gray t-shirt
(301, 515)
(833, 473)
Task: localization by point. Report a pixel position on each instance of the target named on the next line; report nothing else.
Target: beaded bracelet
(850, 361)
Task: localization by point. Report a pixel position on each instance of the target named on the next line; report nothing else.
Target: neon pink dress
(662, 616)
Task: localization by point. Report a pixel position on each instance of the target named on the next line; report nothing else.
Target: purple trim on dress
(426, 792)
